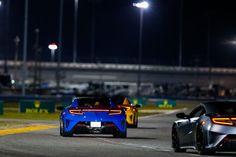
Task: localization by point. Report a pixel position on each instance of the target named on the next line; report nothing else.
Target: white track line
(157, 148)
(164, 113)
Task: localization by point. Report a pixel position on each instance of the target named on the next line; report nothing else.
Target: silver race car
(210, 127)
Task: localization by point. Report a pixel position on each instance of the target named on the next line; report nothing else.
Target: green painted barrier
(140, 101)
(166, 104)
(1, 107)
(37, 106)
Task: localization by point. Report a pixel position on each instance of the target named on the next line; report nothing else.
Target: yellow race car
(130, 110)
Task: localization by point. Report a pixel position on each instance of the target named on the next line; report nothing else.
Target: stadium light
(141, 5)
(53, 47)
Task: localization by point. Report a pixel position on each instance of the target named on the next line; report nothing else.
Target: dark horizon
(117, 29)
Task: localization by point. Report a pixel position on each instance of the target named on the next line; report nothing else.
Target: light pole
(58, 75)
(181, 33)
(36, 59)
(53, 47)
(75, 31)
(25, 44)
(141, 5)
(16, 41)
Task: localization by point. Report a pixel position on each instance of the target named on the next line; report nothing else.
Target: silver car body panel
(214, 134)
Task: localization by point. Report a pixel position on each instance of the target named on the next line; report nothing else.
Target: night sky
(207, 26)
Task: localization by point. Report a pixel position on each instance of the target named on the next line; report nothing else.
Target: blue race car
(93, 115)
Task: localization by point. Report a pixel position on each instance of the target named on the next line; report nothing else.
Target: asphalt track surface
(151, 139)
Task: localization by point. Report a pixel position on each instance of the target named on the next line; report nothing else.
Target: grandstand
(154, 79)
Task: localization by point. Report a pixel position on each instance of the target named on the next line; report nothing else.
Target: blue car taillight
(114, 112)
(76, 111)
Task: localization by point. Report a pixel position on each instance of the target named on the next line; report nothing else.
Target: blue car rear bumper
(82, 123)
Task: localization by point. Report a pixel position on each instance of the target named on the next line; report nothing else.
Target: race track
(151, 139)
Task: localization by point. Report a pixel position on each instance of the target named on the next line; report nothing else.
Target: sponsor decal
(37, 106)
(166, 104)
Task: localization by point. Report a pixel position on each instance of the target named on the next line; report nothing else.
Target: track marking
(35, 127)
(156, 148)
(163, 113)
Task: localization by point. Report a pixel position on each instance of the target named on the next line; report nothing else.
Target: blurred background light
(143, 4)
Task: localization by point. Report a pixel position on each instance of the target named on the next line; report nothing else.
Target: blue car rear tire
(63, 132)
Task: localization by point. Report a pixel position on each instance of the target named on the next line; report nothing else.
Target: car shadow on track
(144, 128)
(225, 154)
(91, 136)
(141, 138)
(111, 137)
(217, 154)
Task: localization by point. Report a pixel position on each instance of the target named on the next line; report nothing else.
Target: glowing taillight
(76, 111)
(127, 108)
(109, 124)
(95, 110)
(119, 106)
(223, 121)
(114, 112)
